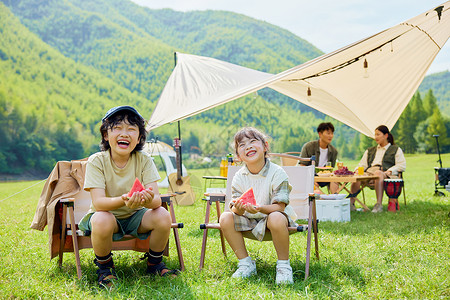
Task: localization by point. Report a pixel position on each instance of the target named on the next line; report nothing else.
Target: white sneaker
(284, 274)
(377, 208)
(245, 269)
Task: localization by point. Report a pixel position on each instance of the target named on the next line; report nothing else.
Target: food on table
(344, 171)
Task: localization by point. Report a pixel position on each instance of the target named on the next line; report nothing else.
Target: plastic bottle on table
(223, 165)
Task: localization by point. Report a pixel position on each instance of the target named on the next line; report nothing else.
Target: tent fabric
(199, 83)
(363, 85)
(168, 158)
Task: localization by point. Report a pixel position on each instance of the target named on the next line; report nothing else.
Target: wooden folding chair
(72, 211)
(301, 199)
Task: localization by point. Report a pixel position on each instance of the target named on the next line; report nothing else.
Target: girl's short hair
(250, 133)
(123, 116)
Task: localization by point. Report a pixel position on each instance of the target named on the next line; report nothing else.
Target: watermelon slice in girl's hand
(137, 187)
(248, 197)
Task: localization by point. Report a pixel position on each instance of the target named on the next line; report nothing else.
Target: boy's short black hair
(117, 115)
(325, 126)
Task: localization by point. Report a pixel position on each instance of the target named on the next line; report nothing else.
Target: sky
(327, 24)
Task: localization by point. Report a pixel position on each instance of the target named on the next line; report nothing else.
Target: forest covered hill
(63, 63)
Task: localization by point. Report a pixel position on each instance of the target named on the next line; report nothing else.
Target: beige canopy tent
(363, 85)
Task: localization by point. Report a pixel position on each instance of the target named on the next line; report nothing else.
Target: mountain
(63, 63)
(47, 109)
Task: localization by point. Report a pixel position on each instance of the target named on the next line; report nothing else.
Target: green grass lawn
(387, 255)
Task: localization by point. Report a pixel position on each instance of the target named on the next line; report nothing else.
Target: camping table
(343, 181)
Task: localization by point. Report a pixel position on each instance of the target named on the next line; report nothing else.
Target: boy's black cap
(117, 109)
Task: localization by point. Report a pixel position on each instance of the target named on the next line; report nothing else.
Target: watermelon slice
(137, 187)
(248, 197)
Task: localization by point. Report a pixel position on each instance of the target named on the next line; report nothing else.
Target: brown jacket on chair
(66, 180)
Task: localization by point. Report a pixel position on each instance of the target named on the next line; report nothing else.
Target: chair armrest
(291, 156)
(67, 201)
(215, 197)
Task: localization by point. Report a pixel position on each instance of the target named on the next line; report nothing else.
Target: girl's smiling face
(251, 150)
(122, 138)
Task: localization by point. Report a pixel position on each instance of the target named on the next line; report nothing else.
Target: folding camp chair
(301, 199)
(288, 160)
(71, 211)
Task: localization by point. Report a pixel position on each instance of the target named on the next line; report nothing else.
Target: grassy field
(387, 255)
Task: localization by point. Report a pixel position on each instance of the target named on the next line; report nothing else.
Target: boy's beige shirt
(102, 172)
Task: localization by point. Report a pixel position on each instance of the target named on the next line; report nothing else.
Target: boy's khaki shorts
(126, 226)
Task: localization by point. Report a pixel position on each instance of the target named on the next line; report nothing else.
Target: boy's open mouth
(123, 144)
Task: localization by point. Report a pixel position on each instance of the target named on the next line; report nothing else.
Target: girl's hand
(252, 209)
(147, 196)
(239, 207)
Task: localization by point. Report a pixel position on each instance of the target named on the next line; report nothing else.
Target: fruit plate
(324, 174)
(347, 175)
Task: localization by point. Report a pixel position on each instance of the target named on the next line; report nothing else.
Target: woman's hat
(117, 109)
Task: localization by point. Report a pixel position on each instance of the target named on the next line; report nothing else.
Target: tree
(418, 113)
(430, 103)
(436, 126)
(365, 142)
(405, 132)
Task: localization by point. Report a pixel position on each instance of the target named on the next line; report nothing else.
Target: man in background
(324, 152)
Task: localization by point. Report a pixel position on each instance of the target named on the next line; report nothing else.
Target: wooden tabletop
(353, 178)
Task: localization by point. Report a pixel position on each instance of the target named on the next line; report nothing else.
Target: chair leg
(404, 194)
(308, 243)
(364, 196)
(205, 235)
(315, 229)
(177, 239)
(222, 240)
(166, 249)
(76, 250)
(62, 238)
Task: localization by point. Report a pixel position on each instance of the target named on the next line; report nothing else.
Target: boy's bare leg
(159, 222)
(234, 238)
(277, 224)
(104, 225)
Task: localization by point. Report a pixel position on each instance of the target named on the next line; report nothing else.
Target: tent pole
(179, 127)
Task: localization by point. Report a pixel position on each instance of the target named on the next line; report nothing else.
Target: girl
(384, 160)
(271, 189)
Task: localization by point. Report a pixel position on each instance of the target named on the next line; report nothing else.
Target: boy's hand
(134, 201)
(147, 196)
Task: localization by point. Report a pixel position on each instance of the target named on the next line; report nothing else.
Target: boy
(110, 174)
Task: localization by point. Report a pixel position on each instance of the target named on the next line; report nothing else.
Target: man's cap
(117, 109)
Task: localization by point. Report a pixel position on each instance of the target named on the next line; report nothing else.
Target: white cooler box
(333, 210)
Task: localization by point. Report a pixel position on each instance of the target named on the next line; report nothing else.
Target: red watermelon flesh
(137, 187)
(248, 197)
